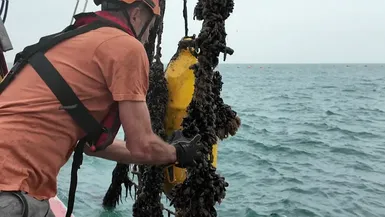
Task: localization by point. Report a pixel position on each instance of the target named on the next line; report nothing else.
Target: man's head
(139, 14)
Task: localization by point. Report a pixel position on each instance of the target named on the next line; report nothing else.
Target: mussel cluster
(227, 122)
(207, 114)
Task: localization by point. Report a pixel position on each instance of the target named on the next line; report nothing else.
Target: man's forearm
(117, 151)
(144, 146)
(156, 151)
(160, 151)
(151, 150)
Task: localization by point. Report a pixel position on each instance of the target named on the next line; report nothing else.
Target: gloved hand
(187, 150)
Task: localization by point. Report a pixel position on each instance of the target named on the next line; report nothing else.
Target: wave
(349, 151)
(362, 134)
(328, 112)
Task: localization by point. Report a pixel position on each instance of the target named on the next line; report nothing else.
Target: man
(102, 66)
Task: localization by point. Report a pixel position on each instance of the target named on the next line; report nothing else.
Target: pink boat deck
(58, 208)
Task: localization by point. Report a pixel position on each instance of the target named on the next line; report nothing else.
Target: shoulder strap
(63, 92)
(47, 42)
(34, 55)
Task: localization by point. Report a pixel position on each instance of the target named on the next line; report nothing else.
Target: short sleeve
(124, 64)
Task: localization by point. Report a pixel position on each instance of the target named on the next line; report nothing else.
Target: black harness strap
(63, 92)
(79, 113)
(76, 163)
(34, 55)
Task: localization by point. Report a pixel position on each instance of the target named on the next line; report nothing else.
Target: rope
(73, 14)
(160, 32)
(2, 7)
(6, 9)
(185, 17)
(76, 8)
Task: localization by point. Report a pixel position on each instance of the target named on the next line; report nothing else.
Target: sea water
(311, 144)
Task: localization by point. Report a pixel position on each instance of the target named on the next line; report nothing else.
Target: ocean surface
(312, 143)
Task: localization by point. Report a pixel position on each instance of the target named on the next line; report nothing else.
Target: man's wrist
(173, 157)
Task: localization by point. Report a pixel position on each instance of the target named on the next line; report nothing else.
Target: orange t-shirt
(36, 137)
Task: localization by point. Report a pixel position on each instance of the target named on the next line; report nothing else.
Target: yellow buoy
(180, 83)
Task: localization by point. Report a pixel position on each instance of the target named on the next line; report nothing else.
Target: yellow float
(180, 83)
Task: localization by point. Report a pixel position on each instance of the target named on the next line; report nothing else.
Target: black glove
(187, 150)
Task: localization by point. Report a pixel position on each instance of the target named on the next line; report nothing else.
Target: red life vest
(87, 18)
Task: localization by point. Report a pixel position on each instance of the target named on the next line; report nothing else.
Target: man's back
(37, 138)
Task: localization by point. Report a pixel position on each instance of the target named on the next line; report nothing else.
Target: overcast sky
(268, 31)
